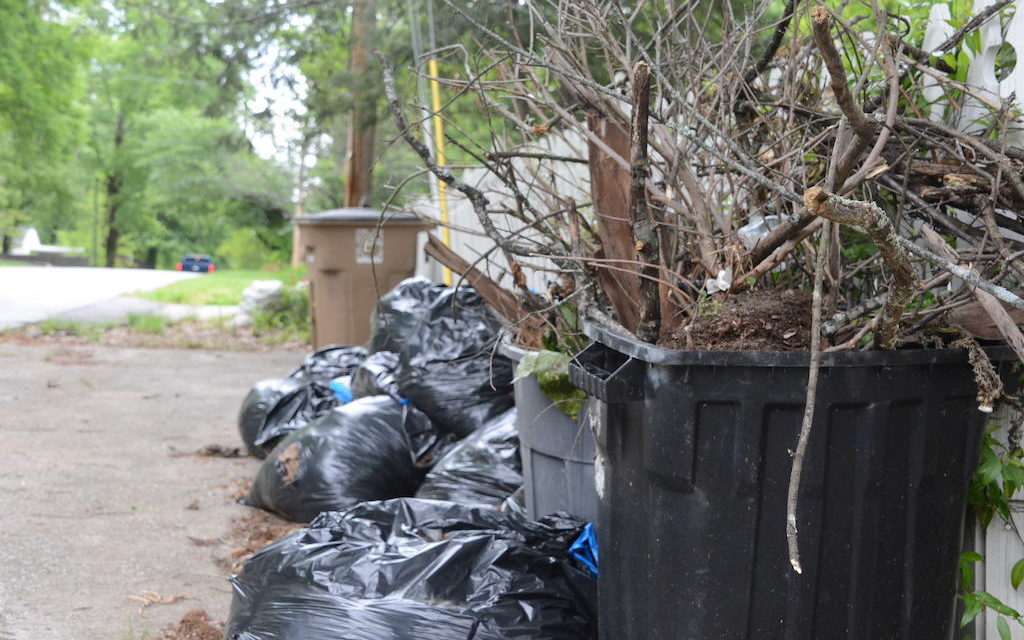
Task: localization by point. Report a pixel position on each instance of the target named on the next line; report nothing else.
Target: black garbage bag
(450, 368)
(377, 375)
(275, 407)
(292, 411)
(410, 569)
(400, 312)
(481, 470)
(515, 505)
(330, 362)
(260, 401)
(369, 449)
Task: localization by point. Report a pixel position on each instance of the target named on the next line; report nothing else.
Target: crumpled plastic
(515, 505)
(330, 362)
(276, 407)
(410, 569)
(377, 375)
(292, 411)
(482, 470)
(259, 402)
(400, 312)
(369, 449)
(450, 368)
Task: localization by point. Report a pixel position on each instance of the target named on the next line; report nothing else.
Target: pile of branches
(744, 146)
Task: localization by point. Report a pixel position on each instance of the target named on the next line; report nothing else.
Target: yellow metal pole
(442, 187)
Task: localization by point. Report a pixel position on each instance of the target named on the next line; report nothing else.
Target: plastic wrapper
(377, 375)
(276, 407)
(399, 313)
(411, 569)
(450, 368)
(481, 470)
(369, 449)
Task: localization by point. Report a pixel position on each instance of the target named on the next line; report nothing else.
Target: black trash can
(693, 466)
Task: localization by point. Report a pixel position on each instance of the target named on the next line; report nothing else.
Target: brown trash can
(353, 258)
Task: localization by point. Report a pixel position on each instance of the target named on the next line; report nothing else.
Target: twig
(972, 24)
(966, 275)
(873, 221)
(773, 46)
(776, 257)
(494, 155)
(793, 495)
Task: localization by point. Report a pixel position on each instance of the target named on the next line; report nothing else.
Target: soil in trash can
(749, 321)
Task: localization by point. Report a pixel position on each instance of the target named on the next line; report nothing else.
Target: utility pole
(300, 202)
(363, 120)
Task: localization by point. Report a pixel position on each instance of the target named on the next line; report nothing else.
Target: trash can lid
(355, 215)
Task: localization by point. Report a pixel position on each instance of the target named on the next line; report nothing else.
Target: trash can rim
(356, 215)
(653, 354)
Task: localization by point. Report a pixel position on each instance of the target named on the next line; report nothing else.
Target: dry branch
(793, 493)
(641, 216)
(868, 217)
(503, 301)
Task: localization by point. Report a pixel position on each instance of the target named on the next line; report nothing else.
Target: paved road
(33, 294)
(93, 505)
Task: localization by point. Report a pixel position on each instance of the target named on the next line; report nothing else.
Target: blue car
(197, 262)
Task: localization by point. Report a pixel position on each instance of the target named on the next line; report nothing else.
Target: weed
(147, 322)
(64, 327)
(707, 305)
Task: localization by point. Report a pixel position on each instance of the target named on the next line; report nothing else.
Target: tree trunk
(363, 120)
(114, 184)
(151, 256)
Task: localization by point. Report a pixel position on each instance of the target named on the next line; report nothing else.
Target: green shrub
(289, 318)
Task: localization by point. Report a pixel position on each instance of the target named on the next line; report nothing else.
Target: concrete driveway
(33, 294)
(97, 503)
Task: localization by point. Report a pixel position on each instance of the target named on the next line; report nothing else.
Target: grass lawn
(13, 263)
(219, 287)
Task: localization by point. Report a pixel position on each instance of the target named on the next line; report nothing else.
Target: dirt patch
(194, 625)
(187, 334)
(250, 533)
(751, 321)
(220, 451)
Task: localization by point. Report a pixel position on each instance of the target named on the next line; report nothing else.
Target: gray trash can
(557, 451)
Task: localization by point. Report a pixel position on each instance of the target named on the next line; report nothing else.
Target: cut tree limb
(503, 301)
(872, 220)
(641, 216)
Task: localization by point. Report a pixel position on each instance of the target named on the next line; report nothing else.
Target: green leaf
(1004, 629)
(1017, 574)
(972, 607)
(541, 362)
(994, 603)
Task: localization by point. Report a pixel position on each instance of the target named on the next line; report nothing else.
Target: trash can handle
(606, 374)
